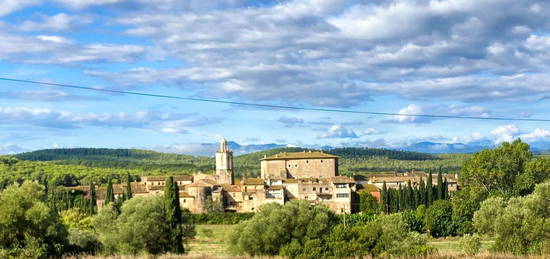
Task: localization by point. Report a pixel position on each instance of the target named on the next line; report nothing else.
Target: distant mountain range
(208, 149)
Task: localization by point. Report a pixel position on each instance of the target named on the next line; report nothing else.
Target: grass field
(211, 240)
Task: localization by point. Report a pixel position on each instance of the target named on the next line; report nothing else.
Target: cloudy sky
(487, 58)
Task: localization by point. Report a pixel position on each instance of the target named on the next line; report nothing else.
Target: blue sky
(447, 57)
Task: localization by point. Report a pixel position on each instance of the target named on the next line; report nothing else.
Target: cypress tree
(401, 198)
(92, 204)
(128, 194)
(446, 189)
(109, 196)
(173, 216)
(422, 192)
(439, 190)
(429, 191)
(410, 196)
(384, 199)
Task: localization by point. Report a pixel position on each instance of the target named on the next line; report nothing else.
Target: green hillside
(80, 165)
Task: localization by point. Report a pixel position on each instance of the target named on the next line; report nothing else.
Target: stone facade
(299, 165)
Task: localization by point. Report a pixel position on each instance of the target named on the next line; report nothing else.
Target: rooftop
(299, 155)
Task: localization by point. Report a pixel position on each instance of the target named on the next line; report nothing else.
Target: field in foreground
(211, 242)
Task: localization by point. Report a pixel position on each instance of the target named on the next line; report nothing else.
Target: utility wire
(270, 105)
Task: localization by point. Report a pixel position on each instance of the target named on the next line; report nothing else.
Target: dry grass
(210, 243)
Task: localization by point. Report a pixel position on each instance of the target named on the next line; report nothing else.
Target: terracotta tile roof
(182, 177)
(231, 188)
(342, 179)
(209, 181)
(369, 188)
(252, 181)
(299, 155)
(155, 187)
(276, 187)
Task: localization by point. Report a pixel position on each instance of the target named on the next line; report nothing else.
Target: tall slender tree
(422, 192)
(109, 195)
(173, 216)
(128, 194)
(92, 201)
(445, 189)
(384, 199)
(429, 190)
(439, 190)
(401, 199)
(410, 196)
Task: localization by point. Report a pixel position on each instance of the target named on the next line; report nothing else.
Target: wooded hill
(352, 160)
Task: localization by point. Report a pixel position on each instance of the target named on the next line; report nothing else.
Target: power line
(270, 105)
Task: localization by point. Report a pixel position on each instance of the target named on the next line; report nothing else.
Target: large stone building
(310, 176)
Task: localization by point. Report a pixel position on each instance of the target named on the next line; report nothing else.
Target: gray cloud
(330, 54)
(154, 120)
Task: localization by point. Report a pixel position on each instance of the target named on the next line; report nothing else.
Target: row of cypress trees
(409, 197)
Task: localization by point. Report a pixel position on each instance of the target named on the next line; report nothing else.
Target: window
(295, 165)
(307, 161)
(304, 189)
(321, 161)
(184, 200)
(289, 165)
(342, 195)
(314, 188)
(341, 185)
(326, 188)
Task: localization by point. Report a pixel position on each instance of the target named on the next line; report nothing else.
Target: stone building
(310, 176)
(299, 165)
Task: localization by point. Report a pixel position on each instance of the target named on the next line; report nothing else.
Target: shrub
(275, 227)
(220, 218)
(470, 244)
(439, 219)
(28, 227)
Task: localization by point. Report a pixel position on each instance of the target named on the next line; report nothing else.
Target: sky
(484, 58)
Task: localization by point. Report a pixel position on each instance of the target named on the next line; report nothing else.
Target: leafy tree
(173, 216)
(496, 171)
(484, 218)
(109, 196)
(28, 227)
(522, 226)
(438, 219)
(276, 229)
(368, 204)
(470, 244)
(422, 192)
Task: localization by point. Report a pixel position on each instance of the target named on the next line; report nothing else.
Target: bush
(470, 244)
(220, 218)
(522, 227)
(281, 229)
(140, 228)
(439, 219)
(484, 218)
(28, 227)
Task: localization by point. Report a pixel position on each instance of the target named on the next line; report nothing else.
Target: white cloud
(537, 134)
(56, 23)
(338, 131)
(505, 133)
(371, 131)
(411, 109)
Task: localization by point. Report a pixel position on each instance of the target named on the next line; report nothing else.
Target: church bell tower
(224, 164)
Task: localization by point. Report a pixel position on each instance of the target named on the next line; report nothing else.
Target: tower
(224, 164)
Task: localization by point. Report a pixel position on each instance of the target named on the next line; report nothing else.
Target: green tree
(384, 199)
(484, 218)
(368, 204)
(429, 191)
(109, 196)
(496, 171)
(173, 216)
(128, 194)
(440, 188)
(92, 202)
(28, 227)
(422, 192)
(140, 228)
(438, 219)
(281, 229)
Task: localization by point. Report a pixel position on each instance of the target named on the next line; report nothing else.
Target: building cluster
(310, 176)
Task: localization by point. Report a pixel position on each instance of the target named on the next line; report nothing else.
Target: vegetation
(297, 230)
(28, 227)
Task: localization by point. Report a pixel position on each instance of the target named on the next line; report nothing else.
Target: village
(309, 175)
